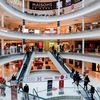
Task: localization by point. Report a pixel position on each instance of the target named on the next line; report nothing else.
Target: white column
(23, 45)
(3, 71)
(2, 46)
(83, 3)
(2, 21)
(2, 53)
(58, 7)
(23, 6)
(58, 15)
(83, 41)
(2, 43)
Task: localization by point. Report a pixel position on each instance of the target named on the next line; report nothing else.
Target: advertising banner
(61, 85)
(43, 78)
(49, 85)
(51, 5)
(42, 5)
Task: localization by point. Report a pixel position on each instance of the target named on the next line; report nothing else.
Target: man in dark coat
(26, 91)
(92, 91)
(86, 81)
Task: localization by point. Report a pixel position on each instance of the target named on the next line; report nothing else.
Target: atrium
(48, 49)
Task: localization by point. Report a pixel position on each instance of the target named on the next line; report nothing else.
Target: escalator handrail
(84, 91)
(60, 63)
(24, 92)
(95, 91)
(30, 53)
(35, 91)
(22, 65)
(34, 95)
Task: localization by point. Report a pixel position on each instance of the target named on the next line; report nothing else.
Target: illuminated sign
(51, 5)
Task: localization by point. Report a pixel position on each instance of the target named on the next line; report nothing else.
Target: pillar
(2, 71)
(23, 6)
(2, 21)
(23, 41)
(83, 40)
(2, 46)
(58, 22)
(2, 53)
(23, 45)
(2, 43)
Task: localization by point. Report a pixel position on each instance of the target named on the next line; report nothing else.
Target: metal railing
(6, 90)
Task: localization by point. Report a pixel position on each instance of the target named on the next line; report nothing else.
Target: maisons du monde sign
(51, 5)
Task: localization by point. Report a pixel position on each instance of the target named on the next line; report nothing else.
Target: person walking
(20, 84)
(70, 29)
(86, 81)
(53, 48)
(3, 87)
(74, 77)
(92, 91)
(26, 91)
(77, 78)
(72, 72)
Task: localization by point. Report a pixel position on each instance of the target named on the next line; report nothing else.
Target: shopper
(26, 91)
(33, 48)
(3, 87)
(77, 78)
(53, 48)
(86, 81)
(55, 51)
(92, 91)
(72, 73)
(74, 77)
(70, 29)
(62, 48)
(28, 53)
(20, 84)
(13, 77)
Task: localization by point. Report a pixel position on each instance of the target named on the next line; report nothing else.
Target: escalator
(26, 61)
(58, 61)
(82, 91)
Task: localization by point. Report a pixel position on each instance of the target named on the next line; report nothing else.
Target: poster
(49, 85)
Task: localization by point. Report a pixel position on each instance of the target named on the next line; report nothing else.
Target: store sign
(61, 85)
(42, 5)
(61, 82)
(51, 5)
(43, 78)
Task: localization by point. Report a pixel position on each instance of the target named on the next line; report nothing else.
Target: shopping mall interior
(44, 44)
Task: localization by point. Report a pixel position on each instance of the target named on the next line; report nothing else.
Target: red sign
(62, 77)
(61, 84)
(40, 44)
(20, 63)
